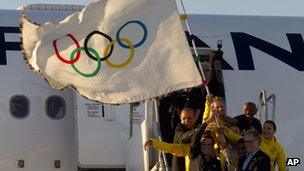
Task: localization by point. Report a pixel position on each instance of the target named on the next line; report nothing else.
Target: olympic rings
(145, 35)
(127, 61)
(93, 54)
(98, 62)
(85, 45)
(60, 57)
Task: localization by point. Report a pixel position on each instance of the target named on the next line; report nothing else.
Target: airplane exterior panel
(259, 53)
(264, 53)
(102, 134)
(37, 139)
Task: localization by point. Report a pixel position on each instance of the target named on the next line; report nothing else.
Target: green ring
(96, 56)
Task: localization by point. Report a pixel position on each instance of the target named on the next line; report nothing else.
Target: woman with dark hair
(271, 146)
(202, 156)
(180, 149)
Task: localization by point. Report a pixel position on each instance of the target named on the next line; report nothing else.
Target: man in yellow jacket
(216, 106)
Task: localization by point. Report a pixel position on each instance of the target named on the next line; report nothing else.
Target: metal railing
(264, 103)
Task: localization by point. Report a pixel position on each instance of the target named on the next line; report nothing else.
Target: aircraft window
(55, 107)
(19, 106)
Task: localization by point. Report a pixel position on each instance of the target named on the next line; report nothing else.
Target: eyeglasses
(250, 141)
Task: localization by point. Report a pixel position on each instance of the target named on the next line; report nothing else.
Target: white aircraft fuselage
(259, 53)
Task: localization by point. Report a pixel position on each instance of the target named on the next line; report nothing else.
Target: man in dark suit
(256, 160)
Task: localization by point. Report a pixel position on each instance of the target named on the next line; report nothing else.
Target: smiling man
(247, 120)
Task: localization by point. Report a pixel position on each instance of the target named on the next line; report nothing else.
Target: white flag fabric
(113, 51)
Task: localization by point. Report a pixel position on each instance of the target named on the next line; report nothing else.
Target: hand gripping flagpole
(185, 18)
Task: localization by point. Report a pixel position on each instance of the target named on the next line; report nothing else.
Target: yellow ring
(127, 61)
(183, 17)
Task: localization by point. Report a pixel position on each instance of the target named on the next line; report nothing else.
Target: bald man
(183, 134)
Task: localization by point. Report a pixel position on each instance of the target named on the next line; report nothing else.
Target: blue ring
(137, 44)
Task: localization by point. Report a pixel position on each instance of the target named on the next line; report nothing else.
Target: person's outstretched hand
(147, 144)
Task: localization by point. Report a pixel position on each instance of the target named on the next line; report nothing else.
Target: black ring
(85, 46)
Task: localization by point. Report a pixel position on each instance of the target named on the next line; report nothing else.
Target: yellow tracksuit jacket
(275, 152)
(180, 150)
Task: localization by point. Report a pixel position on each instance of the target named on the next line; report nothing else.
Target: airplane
(42, 129)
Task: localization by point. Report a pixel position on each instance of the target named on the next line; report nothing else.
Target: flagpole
(145, 137)
(185, 18)
(157, 120)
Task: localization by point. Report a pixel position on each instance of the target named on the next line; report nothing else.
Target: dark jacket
(200, 164)
(259, 162)
(182, 135)
(197, 161)
(244, 124)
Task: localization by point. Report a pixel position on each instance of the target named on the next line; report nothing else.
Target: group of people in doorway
(221, 143)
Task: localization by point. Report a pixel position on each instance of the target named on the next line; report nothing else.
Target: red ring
(60, 57)
(205, 82)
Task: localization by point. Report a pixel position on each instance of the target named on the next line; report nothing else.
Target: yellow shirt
(275, 152)
(206, 114)
(180, 150)
(213, 132)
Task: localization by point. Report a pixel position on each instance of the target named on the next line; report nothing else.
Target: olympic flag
(113, 51)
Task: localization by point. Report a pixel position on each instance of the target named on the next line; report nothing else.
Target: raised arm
(180, 150)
